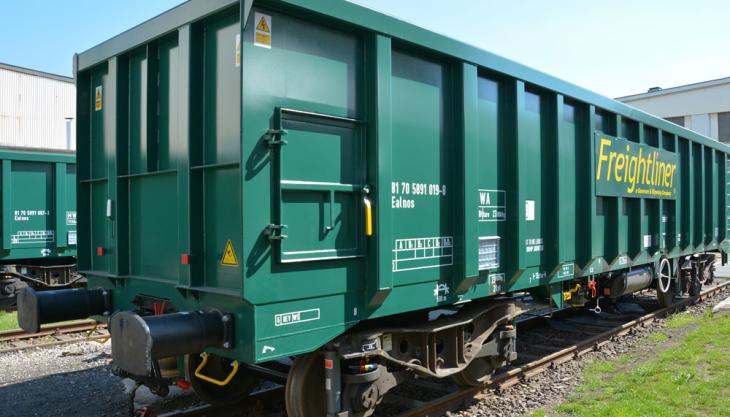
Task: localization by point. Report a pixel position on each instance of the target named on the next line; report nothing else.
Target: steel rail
(514, 376)
(264, 397)
(16, 340)
(47, 330)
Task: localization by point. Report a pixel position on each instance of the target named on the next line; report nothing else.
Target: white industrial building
(37, 109)
(703, 107)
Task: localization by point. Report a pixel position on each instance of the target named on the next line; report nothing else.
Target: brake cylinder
(628, 282)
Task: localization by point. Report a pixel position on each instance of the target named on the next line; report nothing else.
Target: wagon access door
(321, 186)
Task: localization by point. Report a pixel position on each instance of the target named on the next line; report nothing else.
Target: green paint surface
(459, 152)
(38, 205)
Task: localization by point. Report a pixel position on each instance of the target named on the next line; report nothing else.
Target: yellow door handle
(368, 216)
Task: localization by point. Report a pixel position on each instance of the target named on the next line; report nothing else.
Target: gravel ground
(67, 380)
(556, 385)
(74, 380)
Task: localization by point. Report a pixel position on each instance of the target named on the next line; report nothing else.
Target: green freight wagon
(312, 179)
(38, 231)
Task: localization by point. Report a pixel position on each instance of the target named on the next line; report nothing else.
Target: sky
(45, 34)
(615, 48)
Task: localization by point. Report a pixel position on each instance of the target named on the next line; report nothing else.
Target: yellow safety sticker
(97, 98)
(262, 35)
(263, 25)
(229, 255)
(238, 49)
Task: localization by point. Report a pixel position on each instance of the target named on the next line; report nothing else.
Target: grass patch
(682, 320)
(690, 377)
(658, 337)
(8, 321)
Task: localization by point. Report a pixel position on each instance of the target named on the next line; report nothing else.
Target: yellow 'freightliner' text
(633, 169)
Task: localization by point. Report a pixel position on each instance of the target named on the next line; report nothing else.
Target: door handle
(368, 216)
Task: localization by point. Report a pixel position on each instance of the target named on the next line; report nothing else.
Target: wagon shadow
(66, 394)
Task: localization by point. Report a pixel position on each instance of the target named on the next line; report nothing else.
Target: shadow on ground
(86, 393)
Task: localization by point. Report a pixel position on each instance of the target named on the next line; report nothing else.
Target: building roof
(36, 73)
(653, 92)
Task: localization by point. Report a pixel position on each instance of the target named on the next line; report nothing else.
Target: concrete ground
(722, 271)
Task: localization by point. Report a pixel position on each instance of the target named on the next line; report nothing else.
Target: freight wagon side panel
(304, 145)
(492, 184)
(160, 159)
(231, 165)
(38, 205)
(422, 191)
(668, 208)
(726, 196)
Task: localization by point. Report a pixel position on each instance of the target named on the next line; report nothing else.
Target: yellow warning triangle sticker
(229, 255)
(98, 93)
(263, 26)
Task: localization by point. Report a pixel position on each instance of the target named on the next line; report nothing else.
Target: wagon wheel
(664, 290)
(710, 274)
(704, 273)
(695, 282)
(218, 368)
(304, 393)
(476, 372)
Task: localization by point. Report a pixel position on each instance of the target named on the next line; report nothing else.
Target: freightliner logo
(629, 169)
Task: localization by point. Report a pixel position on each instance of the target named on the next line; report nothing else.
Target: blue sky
(44, 34)
(615, 48)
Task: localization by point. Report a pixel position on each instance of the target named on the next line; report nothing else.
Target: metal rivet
(227, 345)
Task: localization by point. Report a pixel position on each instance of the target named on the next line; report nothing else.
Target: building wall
(704, 108)
(708, 100)
(36, 111)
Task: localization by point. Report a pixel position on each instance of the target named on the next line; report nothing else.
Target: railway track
(53, 335)
(589, 335)
(265, 398)
(525, 371)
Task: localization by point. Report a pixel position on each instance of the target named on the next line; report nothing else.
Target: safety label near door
(229, 255)
(262, 35)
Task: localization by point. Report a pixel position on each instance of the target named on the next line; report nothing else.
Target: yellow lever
(368, 216)
(218, 382)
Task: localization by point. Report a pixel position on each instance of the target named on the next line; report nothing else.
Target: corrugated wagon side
(312, 179)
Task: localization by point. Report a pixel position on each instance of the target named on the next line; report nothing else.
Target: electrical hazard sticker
(97, 98)
(229, 255)
(262, 35)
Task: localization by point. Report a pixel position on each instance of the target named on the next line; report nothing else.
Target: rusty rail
(15, 340)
